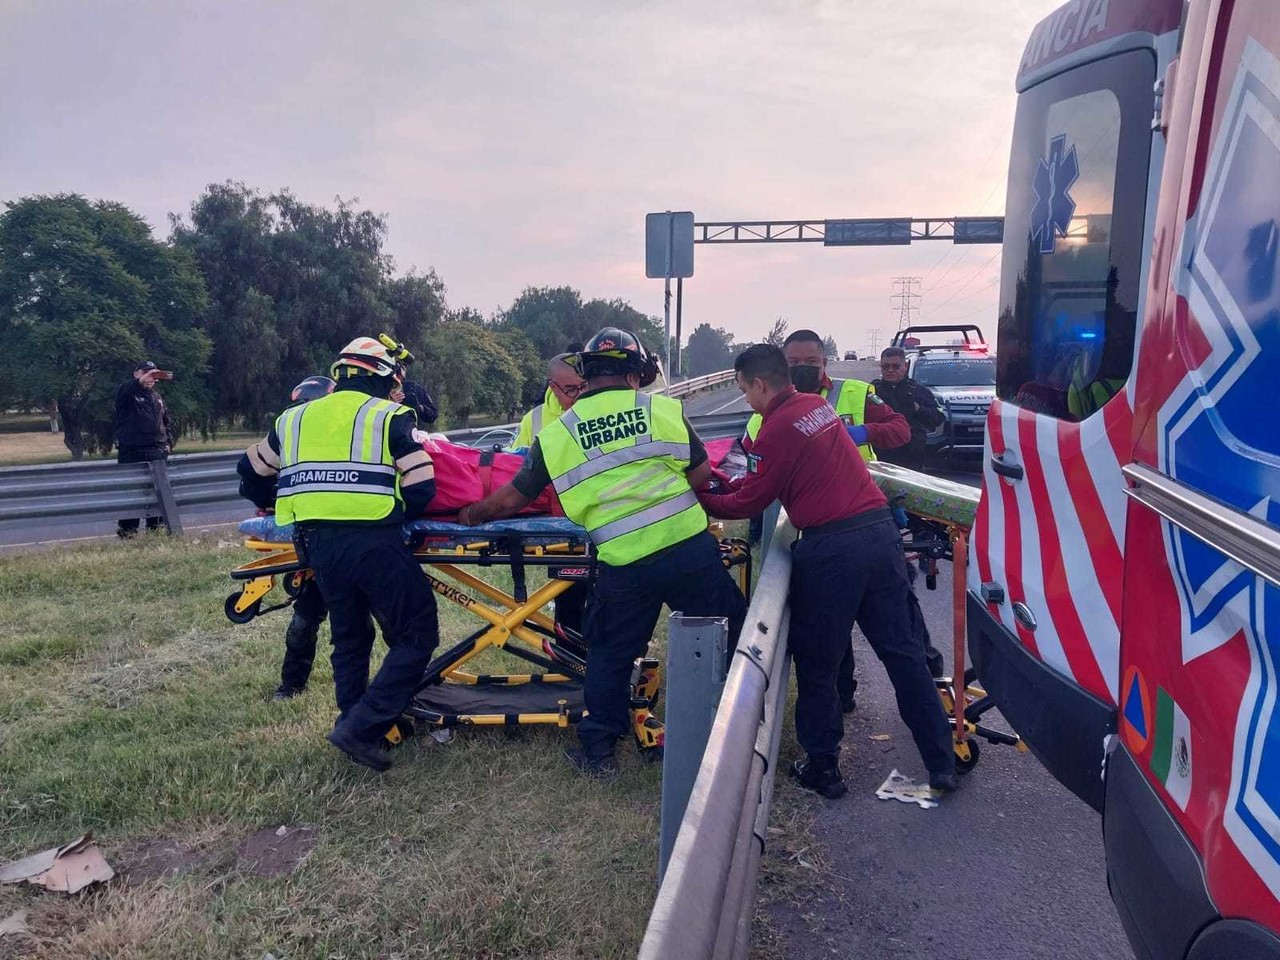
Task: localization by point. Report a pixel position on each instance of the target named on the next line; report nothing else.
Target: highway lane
(1009, 866)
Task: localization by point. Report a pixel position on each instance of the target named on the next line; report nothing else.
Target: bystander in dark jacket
(142, 428)
(914, 401)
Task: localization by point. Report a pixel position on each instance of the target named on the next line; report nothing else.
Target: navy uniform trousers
(859, 575)
(364, 570)
(621, 615)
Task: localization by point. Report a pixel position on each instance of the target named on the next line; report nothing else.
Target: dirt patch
(275, 851)
(158, 859)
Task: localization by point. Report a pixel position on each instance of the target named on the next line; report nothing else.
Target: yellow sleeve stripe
(419, 474)
(410, 460)
(263, 459)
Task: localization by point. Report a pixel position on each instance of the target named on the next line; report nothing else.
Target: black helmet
(312, 388)
(614, 352)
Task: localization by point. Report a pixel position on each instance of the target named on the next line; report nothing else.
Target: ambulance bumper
(1064, 725)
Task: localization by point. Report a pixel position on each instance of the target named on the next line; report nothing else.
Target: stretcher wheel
(963, 765)
(293, 583)
(240, 616)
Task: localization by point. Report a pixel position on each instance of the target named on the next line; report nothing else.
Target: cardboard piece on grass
(905, 790)
(66, 869)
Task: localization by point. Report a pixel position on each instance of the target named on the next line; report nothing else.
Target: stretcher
(453, 690)
(942, 514)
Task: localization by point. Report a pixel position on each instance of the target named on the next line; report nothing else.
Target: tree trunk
(72, 433)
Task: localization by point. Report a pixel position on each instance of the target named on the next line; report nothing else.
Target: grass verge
(130, 706)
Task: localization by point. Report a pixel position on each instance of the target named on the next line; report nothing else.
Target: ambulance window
(1073, 236)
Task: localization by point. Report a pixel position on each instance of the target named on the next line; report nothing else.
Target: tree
(829, 347)
(86, 292)
(533, 370)
(709, 350)
(290, 284)
(475, 373)
(778, 332)
(554, 317)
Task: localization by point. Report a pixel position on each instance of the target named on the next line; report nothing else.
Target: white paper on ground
(905, 790)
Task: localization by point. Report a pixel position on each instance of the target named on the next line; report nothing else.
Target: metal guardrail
(694, 384)
(102, 490)
(706, 900)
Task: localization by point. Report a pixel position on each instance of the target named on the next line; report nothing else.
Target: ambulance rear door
(1047, 574)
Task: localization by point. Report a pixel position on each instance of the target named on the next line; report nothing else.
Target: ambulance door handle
(1011, 470)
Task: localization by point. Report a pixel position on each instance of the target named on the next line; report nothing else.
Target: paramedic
(876, 425)
(847, 566)
(913, 400)
(872, 423)
(346, 471)
(563, 387)
(625, 464)
(309, 611)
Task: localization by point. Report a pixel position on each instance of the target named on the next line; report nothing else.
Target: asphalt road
(1010, 866)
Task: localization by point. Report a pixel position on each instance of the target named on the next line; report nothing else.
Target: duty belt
(856, 522)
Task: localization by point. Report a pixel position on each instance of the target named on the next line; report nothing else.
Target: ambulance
(1124, 568)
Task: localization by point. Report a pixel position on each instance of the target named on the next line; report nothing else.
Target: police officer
(625, 465)
(913, 400)
(563, 387)
(847, 566)
(142, 427)
(346, 471)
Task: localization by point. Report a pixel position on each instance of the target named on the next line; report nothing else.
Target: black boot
(821, 775)
(299, 654)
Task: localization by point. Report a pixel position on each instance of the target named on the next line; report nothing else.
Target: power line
(874, 337)
(973, 276)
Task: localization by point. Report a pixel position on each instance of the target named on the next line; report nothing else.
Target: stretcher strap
(485, 472)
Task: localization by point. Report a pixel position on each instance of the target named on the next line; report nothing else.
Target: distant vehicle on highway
(964, 381)
(851, 354)
(502, 437)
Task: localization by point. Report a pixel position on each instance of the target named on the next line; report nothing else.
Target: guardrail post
(164, 493)
(697, 655)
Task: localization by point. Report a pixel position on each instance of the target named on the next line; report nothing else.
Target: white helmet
(365, 357)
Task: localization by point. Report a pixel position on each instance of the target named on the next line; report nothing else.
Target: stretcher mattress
(531, 530)
(461, 699)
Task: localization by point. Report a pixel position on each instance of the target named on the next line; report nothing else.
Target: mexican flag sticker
(1171, 752)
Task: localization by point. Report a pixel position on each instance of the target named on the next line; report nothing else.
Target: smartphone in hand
(162, 374)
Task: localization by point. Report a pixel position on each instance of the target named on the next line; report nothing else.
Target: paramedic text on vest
(847, 566)
(563, 387)
(875, 424)
(625, 465)
(346, 471)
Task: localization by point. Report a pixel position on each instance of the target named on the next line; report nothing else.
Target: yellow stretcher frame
(517, 616)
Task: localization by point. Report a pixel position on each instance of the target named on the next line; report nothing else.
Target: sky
(521, 144)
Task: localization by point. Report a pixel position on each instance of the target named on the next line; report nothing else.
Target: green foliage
(554, 317)
(778, 332)
(710, 349)
(85, 292)
(533, 370)
(290, 284)
(472, 372)
(829, 347)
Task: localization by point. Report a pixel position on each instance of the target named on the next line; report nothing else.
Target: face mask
(807, 379)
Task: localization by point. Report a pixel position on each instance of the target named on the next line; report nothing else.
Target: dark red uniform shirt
(804, 457)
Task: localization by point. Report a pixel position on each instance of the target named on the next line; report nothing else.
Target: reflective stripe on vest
(618, 461)
(537, 419)
(335, 460)
(855, 403)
